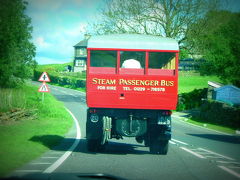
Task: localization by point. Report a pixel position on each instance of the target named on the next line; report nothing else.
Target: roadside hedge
(191, 100)
(220, 113)
(72, 82)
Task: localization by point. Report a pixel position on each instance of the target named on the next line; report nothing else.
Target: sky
(60, 24)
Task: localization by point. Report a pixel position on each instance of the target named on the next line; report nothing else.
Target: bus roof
(132, 41)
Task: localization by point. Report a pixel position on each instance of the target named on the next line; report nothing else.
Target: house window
(81, 52)
(80, 63)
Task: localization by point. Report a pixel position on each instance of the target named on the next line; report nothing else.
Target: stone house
(80, 55)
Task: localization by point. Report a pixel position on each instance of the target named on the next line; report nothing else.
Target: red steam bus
(132, 84)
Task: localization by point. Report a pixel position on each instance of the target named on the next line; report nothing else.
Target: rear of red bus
(133, 81)
(153, 86)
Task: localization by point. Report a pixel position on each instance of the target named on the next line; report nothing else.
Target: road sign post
(44, 87)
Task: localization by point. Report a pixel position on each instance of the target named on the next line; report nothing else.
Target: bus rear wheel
(93, 145)
(158, 146)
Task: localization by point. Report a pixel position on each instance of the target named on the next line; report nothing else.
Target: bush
(191, 100)
(72, 82)
(220, 113)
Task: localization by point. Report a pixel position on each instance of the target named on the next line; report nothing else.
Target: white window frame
(80, 63)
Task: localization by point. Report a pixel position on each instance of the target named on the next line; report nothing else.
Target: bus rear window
(103, 59)
(132, 59)
(162, 60)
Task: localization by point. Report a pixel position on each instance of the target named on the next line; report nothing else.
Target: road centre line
(195, 154)
(229, 171)
(234, 167)
(64, 92)
(55, 153)
(228, 162)
(56, 164)
(40, 163)
(180, 142)
(214, 157)
(171, 142)
(226, 157)
(27, 171)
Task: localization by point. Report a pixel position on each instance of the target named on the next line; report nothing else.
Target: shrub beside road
(212, 114)
(23, 116)
(60, 77)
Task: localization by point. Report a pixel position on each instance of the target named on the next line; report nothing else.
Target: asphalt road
(194, 153)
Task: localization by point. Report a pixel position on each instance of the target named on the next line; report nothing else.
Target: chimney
(87, 36)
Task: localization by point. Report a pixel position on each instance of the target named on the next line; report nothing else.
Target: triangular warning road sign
(44, 88)
(44, 77)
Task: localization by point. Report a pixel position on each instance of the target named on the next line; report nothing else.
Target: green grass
(212, 126)
(8, 99)
(53, 67)
(60, 70)
(26, 139)
(188, 81)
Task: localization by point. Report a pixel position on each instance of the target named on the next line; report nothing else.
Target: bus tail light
(92, 111)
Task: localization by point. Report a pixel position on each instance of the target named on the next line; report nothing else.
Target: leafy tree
(219, 43)
(184, 53)
(16, 49)
(171, 18)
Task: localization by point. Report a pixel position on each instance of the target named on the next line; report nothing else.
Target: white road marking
(228, 162)
(40, 163)
(226, 157)
(194, 153)
(180, 142)
(55, 153)
(64, 92)
(234, 167)
(215, 157)
(55, 165)
(27, 171)
(171, 142)
(49, 157)
(230, 171)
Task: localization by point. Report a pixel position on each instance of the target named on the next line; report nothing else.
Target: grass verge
(212, 126)
(18, 145)
(188, 81)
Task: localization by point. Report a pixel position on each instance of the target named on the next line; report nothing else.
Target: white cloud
(81, 28)
(41, 43)
(57, 26)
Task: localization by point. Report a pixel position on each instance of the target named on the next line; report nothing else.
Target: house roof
(133, 41)
(214, 84)
(82, 43)
(227, 86)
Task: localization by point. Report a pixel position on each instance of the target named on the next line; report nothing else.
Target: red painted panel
(100, 70)
(131, 71)
(131, 88)
(132, 92)
(163, 72)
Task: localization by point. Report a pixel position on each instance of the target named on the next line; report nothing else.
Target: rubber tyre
(158, 147)
(93, 145)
